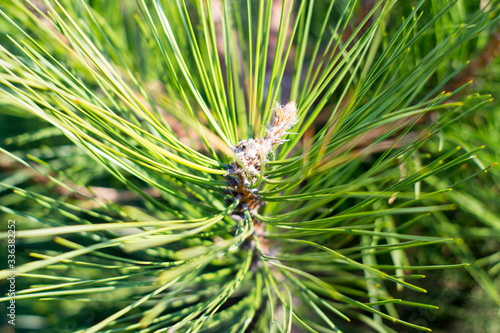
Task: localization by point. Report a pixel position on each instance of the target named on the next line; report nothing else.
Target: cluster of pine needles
(251, 166)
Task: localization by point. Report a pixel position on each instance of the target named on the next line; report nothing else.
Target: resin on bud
(251, 155)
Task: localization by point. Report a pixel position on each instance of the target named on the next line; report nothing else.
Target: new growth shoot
(245, 171)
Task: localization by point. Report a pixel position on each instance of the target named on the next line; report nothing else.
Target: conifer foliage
(231, 166)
